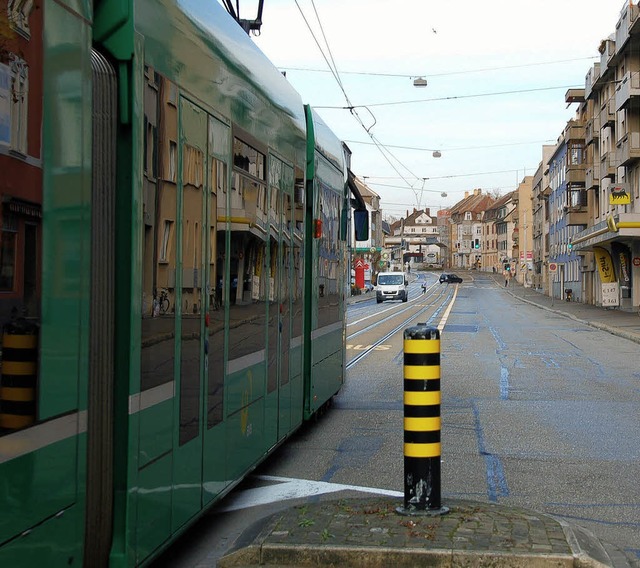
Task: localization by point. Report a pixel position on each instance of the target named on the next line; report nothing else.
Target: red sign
(359, 263)
(553, 267)
(366, 266)
(636, 261)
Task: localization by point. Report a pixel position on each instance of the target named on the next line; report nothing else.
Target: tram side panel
(44, 390)
(202, 386)
(327, 171)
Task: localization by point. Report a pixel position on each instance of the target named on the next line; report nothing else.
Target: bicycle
(162, 303)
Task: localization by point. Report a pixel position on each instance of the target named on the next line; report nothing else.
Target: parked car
(450, 278)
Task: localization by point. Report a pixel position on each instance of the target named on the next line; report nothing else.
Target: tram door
(285, 204)
(215, 444)
(190, 299)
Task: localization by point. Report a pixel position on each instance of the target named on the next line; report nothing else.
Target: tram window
(159, 213)
(247, 158)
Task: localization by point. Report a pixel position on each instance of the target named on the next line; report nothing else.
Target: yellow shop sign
(605, 264)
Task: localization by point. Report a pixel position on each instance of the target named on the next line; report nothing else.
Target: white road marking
(445, 317)
(287, 489)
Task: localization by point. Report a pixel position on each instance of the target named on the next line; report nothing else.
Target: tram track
(440, 304)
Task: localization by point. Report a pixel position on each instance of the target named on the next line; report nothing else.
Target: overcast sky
(469, 52)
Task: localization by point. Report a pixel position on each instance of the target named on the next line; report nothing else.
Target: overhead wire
(455, 97)
(351, 107)
(466, 72)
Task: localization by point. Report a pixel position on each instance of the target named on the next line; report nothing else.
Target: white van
(392, 286)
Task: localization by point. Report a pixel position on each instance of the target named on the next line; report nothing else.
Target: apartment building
(524, 229)
(444, 232)
(466, 229)
(540, 207)
(498, 223)
(609, 242)
(416, 239)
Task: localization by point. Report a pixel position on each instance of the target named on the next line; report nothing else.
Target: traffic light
(507, 267)
(477, 245)
(570, 246)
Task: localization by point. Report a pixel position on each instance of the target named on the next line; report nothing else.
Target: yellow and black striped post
(19, 375)
(422, 422)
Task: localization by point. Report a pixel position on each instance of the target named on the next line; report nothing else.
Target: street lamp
(419, 82)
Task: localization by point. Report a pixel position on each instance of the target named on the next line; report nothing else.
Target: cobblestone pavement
(370, 532)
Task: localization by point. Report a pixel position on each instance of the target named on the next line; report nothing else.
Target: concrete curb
(472, 534)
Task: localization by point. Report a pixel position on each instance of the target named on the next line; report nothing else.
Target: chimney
(477, 191)
(466, 194)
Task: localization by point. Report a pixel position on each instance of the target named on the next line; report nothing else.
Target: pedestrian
(506, 278)
(424, 287)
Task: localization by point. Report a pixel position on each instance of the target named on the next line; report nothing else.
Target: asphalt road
(538, 411)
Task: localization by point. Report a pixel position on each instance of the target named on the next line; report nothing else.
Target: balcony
(628, 17)
(576, 215)
(576, 174)
(591, 79)
(607, 50)
(607, 165)
(592, 176)
(608, 113)
(574, 131)
(629, 149)
(628, 91)
(592, 129)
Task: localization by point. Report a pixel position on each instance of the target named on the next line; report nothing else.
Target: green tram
(193, 266)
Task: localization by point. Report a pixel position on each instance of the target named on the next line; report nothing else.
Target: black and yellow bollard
(19, 375)
(422, 422)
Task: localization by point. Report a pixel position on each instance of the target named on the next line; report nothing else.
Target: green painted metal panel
(156, 432)
(66, 212)
(224, 70)
(55, 542)
(154, 497)
(244, 387)
(215, 477)
(245, 439)
(326, 381)
(128, 308)
(38, 485)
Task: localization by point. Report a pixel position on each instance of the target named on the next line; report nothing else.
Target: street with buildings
(572, 225)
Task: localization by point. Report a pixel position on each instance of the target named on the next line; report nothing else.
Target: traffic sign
(553, 267)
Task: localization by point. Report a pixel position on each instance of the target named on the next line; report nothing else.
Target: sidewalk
(613, 320)
(369, 533)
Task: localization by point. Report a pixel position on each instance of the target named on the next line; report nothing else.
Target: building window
(19, 11)
(467, 216)
(8, 252)
(166, 235)
(5, 105)
(14, 95)
(173, 160)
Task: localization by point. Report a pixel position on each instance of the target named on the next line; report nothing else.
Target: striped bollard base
(422, 422)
